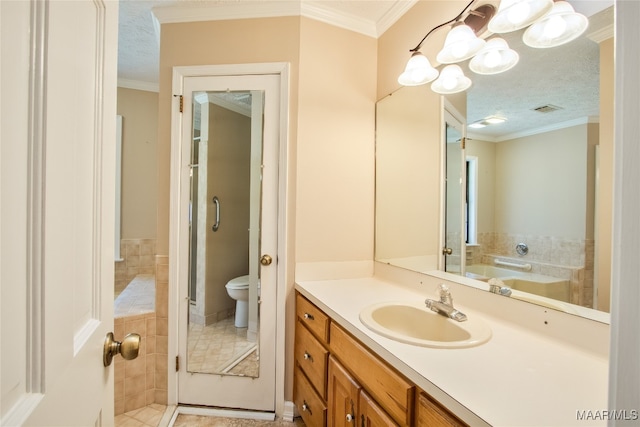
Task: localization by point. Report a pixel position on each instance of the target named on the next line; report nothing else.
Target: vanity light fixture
(461, 44)
(418, 71)
(513, 15)
(451, 80)
(561, 25)
(496, 57)
(550, 24)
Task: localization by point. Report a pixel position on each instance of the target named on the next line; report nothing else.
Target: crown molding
(391, 17)
(316, 11)
(139, 85)
(535, 131)
(192, 12)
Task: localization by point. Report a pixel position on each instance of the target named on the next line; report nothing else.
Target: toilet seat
(240, 282)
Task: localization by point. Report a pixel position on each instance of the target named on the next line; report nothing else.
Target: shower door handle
(216, 202)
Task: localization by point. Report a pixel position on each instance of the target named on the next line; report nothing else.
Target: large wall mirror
(534, 185)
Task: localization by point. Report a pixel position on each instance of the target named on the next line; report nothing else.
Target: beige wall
(139, 110)
(395, 43)
(407, 190)
(541, 184)
(212, 43)
(604, 208)
(227, 251)
(335, 149)
(331, 130)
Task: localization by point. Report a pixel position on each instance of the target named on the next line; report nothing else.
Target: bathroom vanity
(525, 374)
(339, 381)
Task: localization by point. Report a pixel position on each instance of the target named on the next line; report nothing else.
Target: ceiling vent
(547, 108)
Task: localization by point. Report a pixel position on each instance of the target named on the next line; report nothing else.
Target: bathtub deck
(137, 298)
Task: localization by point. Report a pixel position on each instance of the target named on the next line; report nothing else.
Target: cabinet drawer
(431, 414)
(392, 392)
(312, 358)
(313, 318)
(309, 404)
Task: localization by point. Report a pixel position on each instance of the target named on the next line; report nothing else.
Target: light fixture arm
(457, 18)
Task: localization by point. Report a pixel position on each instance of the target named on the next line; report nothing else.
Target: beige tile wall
(135, 379)
(138, 257)
(162, 326)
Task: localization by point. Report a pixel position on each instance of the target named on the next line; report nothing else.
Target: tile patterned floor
(218, 347)
(149, 416)
(184, 420)
(154, 416)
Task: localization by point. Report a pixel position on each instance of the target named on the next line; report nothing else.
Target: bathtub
(538, 284)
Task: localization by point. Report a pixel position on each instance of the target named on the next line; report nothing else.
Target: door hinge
(177, 363)
(463, 142)
(181, 102)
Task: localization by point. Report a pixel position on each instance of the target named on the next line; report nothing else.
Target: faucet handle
(445, 294)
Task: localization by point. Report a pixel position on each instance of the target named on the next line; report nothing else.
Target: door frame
(280, 69)
(448, 111)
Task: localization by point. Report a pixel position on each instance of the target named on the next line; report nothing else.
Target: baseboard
(226, 413)
(290, 411)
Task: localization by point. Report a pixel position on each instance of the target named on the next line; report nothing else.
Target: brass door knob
(128, 348)
(266, 260)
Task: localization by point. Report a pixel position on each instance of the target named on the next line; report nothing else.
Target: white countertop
(520, 377)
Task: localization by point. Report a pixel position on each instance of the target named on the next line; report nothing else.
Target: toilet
(238, 289)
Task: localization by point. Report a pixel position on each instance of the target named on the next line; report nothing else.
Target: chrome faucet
(497, 286)
(445, 305)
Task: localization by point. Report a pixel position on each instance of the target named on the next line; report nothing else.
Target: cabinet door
(372, 415)
(342, 403)
(430, 414)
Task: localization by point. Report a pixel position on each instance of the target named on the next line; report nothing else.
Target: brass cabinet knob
(447, 251)
(266, 260)
(128, 348)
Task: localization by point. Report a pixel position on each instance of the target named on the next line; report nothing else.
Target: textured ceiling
(571, 70)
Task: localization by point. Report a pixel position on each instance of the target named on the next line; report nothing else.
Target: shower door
(230, 157)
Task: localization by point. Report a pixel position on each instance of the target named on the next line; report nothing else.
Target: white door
(57, 211)
(226, 361)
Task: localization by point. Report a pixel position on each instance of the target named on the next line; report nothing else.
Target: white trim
(290, 411)
(139, 85)
(179, 74)
(391, 17)
(624, 363)
(195, 12)
(225, 413)
(318, 12)
(18, 414)
(535, 131)
(315, 10)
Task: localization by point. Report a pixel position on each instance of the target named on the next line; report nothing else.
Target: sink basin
(413, 323)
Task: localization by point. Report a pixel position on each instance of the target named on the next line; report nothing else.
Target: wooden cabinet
(343, 396)
(349, 405)
(311, 357)
(430, 414)
(389, 389)
(371, 414)
(340, 382)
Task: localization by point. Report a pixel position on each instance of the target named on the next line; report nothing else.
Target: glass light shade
(513, 15)
(418, 71)
(561, 25)
(461, 43)
(451, 80)
(496, 57)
